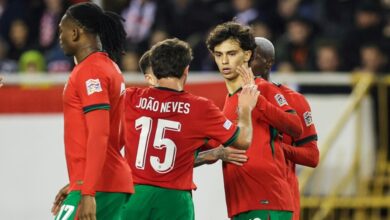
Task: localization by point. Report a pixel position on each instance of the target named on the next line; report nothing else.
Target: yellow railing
(366, 203)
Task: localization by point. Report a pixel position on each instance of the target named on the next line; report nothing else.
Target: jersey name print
(164, 128)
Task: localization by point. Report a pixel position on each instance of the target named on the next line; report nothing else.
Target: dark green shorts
(151, 202)
(264, 215)
(108, 205)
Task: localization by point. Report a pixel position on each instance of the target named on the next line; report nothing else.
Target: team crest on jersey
(93, 85)
(227, 124)
(308, 119)
(280, 99)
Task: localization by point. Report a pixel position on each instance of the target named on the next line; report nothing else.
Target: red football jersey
(261, 183)
(95, 83)
(164, 128)
(309, 134)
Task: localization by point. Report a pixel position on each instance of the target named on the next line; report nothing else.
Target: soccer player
(302, 150)
(165, 126)
(263, 192)
(206, 155)
(100, 178)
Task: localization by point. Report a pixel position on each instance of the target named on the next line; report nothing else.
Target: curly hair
(232, 30)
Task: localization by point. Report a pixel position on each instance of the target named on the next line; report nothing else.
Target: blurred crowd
(309, 35)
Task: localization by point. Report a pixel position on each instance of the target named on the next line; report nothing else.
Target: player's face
(67, 35)
(229, 55)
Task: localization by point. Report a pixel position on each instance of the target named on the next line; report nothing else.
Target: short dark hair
(170, 57)
(106, 24)
(232, 30)
(144, 62)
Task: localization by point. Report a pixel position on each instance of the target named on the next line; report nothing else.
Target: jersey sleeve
(214, 125)
(275, 96)
(93, 88)
(275, 110)
(309, 132)
(306, 154)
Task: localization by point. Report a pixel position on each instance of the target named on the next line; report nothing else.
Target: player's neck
(233, 85)
(84, 52)
(171, 83)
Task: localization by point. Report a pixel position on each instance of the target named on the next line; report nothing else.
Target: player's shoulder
(135, 90)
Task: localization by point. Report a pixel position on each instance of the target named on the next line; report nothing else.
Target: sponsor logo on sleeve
(227, 124)
(280, 99)
(93, 85)
(308, 119)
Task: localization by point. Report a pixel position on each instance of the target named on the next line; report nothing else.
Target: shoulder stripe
(90, 108)
(306, 140)
(233, 138)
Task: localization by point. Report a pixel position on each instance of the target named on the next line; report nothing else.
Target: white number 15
(160, 142)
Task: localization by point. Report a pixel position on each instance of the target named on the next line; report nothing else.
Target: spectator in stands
(48, 23)
(294, 47)
(19, 41)
(245, 11)
(368, 28)
(327, 57)
(32, 61)
(6, 65)
(372, 59)
(140, 16)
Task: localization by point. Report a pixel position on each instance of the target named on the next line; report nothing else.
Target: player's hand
(87, 208)
(234, 156)
(246, 74)
(60, 197)
(248, 97)
(1, 81)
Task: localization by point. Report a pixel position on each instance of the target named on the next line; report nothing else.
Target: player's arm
(306, 154)
(1, 81)
(226, 154)
(286, 122)
(98, 125)
(246, 103)
(277, 114)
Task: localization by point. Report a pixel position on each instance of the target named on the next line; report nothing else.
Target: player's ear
(76, 32)
(247, 55)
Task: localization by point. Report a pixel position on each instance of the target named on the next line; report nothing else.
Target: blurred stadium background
(336, 52)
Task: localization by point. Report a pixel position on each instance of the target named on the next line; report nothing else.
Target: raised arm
(246, 102)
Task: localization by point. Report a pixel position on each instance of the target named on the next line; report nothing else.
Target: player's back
(95, 84)
(164, 128)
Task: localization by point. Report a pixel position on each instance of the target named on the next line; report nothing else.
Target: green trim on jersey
(196, 153)
(273, 134)
(292, 111)
(233, 138)
(239, 89)
(306, 140)
(90, 108)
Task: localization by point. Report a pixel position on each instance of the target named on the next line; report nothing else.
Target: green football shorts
(108, 205)
(264, 215)
(152, 202)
